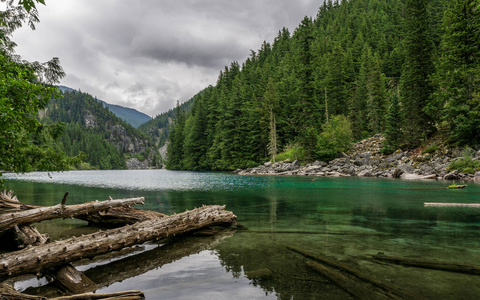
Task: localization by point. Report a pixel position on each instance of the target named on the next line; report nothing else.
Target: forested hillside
(92, 129)
(408, 69)
(159, 127)
(129, 115)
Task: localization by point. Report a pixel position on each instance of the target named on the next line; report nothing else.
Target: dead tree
(30, 216)
(34, 260)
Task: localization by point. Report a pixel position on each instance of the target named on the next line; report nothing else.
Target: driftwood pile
(35, 255)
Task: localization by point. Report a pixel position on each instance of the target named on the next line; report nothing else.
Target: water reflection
(346, 219)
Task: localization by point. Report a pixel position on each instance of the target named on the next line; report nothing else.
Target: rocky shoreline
(364, 159)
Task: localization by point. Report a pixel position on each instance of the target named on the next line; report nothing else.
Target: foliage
(458, 75)
(292, 153)
(393, 133)
(465, 164)
(93, 131)
(335, 138)
(416, 85)
(25, 89)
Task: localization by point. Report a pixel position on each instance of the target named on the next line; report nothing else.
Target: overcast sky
(147, 54)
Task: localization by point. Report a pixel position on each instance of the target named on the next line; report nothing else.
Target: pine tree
(458, 73)
(393, 133)
(416, 85)
(175, 152)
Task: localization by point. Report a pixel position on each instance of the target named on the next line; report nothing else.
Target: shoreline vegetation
(365, 159)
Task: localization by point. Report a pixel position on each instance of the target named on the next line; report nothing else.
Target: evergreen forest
(409, 69)
(93, 133)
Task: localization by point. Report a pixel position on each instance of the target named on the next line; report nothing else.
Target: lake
(345, 219)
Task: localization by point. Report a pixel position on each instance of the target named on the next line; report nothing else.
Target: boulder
(452, 176)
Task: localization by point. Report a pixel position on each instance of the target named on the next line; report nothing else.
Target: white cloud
(149, 54)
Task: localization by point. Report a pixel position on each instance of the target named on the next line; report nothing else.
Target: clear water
(346, 219)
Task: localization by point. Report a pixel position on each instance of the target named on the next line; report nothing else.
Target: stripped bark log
(30, 216)
(114, 217)
(36, 259)
(120, 216)
(10, 202)
(434, 265)
(128, 295)
(7, 292)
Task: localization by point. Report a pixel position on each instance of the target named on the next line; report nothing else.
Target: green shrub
(336, 137)
(465, 164)
(291, 153)
(431, 149)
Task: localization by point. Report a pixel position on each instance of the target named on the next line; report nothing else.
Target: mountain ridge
(127, 114)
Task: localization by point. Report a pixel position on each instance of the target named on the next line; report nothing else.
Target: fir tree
(416, 85)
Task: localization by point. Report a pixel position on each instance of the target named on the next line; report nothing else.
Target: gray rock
(319, 163)
(452, 175)
(267, 164)
(397, 173)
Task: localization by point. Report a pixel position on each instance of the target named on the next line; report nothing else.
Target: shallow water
(346, 219)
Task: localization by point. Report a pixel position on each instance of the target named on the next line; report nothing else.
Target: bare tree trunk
(30, 216)
(36, 259)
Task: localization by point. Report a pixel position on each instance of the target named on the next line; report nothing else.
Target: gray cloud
(148, 54)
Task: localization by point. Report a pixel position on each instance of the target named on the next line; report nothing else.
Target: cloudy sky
(147, 54)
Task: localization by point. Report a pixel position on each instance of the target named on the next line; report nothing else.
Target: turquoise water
(346, 219)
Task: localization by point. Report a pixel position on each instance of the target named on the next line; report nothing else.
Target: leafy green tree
(335, 138)
(26, 144)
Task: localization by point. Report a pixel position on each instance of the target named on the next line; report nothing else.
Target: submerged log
(34, 215)
(434, 265)
(36, 259)
(352, 287)
(71, 279)
(391, 291)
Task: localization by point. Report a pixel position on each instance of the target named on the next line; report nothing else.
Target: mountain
(129, 115)
(107, 141)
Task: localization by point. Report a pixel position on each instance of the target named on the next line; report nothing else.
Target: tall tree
(416, 85)
(458, 73)
(175, 154)
(26, 88)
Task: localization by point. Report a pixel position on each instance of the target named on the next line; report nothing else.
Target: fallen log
(133, 265)
(128, 295)
(36, 259)
(120, 216)
(7, 292)
(10, 202)
(34, 215)
(114, 217)
(67, 277)
(352, 287)
(439, 204)
(434, 265)
(391, 291)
